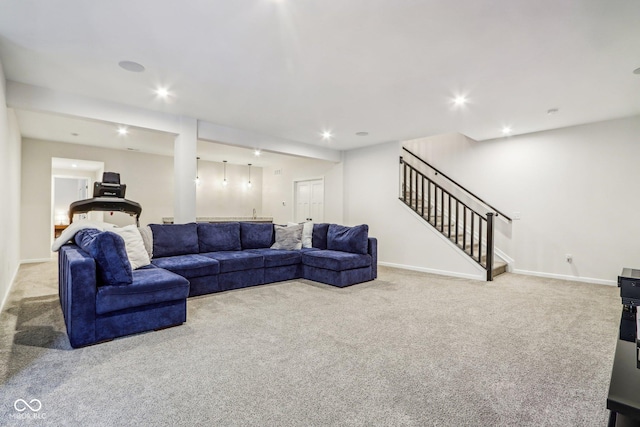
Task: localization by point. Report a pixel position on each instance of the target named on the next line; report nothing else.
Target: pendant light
(224, 162)
(197, 173)
(249, 183)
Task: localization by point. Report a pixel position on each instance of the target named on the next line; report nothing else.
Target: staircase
(469, 230)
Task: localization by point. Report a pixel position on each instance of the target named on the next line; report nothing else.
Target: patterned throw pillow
(289, 238)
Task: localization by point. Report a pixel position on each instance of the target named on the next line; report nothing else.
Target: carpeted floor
(409, 349)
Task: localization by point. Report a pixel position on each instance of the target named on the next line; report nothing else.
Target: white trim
(506, 258)
(434, 271)
(36, 260)
(566, 277)
(11, 283)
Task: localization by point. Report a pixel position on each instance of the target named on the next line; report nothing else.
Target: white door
(309, 201)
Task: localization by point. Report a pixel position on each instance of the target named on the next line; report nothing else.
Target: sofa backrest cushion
(108, 250)
(219, 237)
(174, 239)
(256, 235)
(319, 237)
(348, 239)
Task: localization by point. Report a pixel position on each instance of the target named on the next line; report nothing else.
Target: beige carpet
(409, 349)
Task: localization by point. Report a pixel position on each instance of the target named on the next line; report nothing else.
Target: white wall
(278, 187)
(371, 191)
(574, 187)
(236, 198)
(149, 179)
(9, 194)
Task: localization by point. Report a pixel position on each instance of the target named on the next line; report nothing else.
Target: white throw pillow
(138, 256)
(147, 238)
(307, 233)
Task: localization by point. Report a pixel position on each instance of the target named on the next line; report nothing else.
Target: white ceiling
(293, 68)
(74, 130)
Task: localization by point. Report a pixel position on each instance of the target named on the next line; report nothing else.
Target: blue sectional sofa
(103, 298)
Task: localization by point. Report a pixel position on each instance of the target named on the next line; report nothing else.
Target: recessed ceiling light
(636, 71)
(460, 100)
(73, 165)
(134, 67)
(506, 130)
(133, 149)
(327, 134)
(256, 152)
(552, 111)
(162, 92)
(362, 133)
(74, 134)
(122, 131)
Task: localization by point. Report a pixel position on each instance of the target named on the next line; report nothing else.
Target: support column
(184, 165)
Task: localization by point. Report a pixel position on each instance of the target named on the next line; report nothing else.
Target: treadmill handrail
(105, 204)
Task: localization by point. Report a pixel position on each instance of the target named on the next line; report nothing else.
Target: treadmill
(108, 196)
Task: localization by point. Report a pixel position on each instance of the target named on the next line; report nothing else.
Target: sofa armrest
(77, 292)
(373, 251)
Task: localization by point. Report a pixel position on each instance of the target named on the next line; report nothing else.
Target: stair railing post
(490, 216)
(404, 180)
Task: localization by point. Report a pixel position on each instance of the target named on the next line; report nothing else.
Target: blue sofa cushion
(149, 286)
(109, 252)
(219, 237)
(188, 266)
(278, 257)
(335, 260)
(236, 260)
(348, 239)
(174, 239)
(319, 237)
(256, 235)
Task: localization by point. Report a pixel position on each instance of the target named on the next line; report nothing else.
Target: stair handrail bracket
(469, 230)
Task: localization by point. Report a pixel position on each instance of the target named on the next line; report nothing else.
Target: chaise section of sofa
(96, 309)
(346, 256)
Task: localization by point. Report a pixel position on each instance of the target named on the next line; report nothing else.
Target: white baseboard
(11, 283)
(566, 277)
(434, 271)
(35, 260)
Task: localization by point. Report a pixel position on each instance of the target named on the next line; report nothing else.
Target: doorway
(67, 190)
(71, 180)
(309, 200)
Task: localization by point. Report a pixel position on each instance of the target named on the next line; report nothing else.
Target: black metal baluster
(457, 219)
(429, 200)
(480, 239)
(404, 183)
(417, 194)
(435, 204)
(472, 224)
(422, 197)
(464, 228)
(490, 216)
(449, 216)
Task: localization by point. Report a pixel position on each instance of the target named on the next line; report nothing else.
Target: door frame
(295, 194)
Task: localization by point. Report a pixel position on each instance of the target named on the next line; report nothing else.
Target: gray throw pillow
(289, 238)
